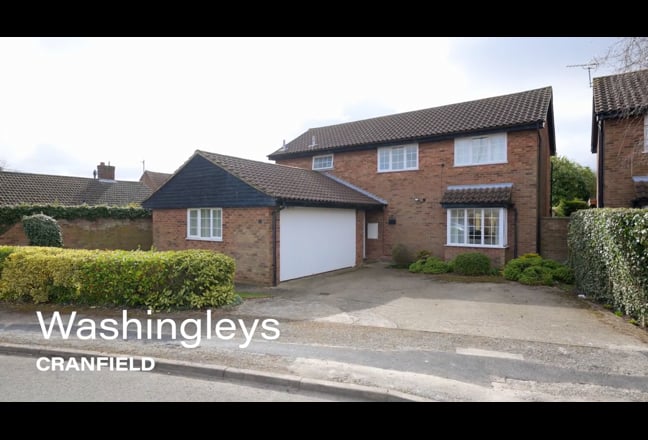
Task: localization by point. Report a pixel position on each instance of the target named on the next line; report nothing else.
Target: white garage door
(315, 240)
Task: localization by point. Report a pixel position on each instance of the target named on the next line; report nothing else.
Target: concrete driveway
(376, 295)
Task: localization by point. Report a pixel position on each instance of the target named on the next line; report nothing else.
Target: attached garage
(316, 240)
(278, 222)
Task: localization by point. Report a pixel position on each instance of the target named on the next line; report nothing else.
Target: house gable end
(200, 183)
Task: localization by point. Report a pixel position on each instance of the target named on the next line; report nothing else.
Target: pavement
(384, 334)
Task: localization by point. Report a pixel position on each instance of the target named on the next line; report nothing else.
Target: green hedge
(608, 250)
(534, 270)
(12, 214)
(158, 280)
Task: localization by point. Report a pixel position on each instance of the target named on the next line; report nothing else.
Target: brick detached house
(473, 176)
(620, 139)
(465, 177)
(278, 222)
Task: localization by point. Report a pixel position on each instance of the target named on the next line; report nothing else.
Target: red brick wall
(247, 237)
(554, 238)
(103, 233)
(422, 225)
(623, 158)
(497, 256)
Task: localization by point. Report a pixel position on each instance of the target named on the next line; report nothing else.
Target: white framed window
(476, 227)
(205, 224)
(400, 158)
(323, 162)
(480, 150)
(645, 134)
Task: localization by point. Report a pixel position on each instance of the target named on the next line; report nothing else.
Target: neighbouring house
(154, 180)
(29, 188)
(473, 176)
(18, 188)
(278, 222)
(620, 139)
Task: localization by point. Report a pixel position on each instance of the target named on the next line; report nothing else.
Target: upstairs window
(480, 150)
(400, 158)
(323, 162)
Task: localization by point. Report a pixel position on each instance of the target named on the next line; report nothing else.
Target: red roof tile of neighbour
(291, 183)
(518, 109)
(153, 179)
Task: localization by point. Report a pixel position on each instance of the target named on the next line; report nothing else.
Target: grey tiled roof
(154, 180)
(17, 188)
(290, 183)
(622, 93)
(517, 109)
(478, 195)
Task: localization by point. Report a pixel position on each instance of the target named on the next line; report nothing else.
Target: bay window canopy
(483, 195)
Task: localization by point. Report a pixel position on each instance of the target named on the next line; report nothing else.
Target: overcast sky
(68, 103)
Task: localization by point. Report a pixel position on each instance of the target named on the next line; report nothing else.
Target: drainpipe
(601, 170)
(538, 193)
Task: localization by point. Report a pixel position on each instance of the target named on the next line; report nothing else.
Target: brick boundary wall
(553, 242)
(106, 233)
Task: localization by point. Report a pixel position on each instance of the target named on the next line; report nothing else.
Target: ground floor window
(477, 227)
(205, 224)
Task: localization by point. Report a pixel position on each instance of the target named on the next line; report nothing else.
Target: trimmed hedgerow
(42, 230)
(472, 263)
(158, 280)
(608, 250)
(400, 255)
(429, 265)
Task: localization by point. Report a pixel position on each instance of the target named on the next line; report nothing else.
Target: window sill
(397, 171)
(203, 239)
(480, 164)
(323, 169)
(477, 246)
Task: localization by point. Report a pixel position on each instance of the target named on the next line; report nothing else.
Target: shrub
(430, 265)
(472, 263)
(608, 251)
(400, 255)
(566, 207)
(536, 275)
(544, 271)
(422, 255)
(42, 230)
(158, 280)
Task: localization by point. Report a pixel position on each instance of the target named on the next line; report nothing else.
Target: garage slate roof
(292, 183)
(17, 188)
(518, 109)
(478, 195)
(625, 92)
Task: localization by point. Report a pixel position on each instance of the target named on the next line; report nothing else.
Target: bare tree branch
(626, 54)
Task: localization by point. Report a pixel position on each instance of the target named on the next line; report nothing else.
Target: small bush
(536, 275)
(400, 255)
(566, 207)
(42, 230)
(422, 255)
(159, 280)
(534, 270)
(472, 263)
(429, 265)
